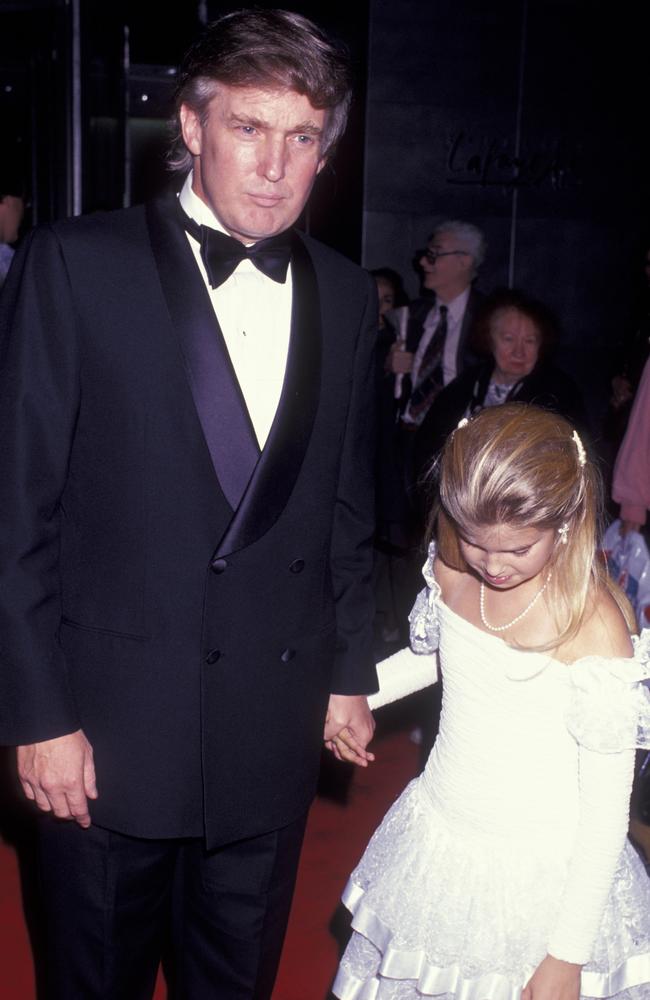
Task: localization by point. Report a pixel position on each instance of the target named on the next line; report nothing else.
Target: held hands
(553, 979)
(349, 727)
(59, 776)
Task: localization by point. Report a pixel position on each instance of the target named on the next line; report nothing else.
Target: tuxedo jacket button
(219, 566)
(213, 656)
(287, 655)
(297, 565)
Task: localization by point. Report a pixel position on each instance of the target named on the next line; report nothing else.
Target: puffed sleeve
(424, 618)
(609, 709)
(607, 715)
(415, 667)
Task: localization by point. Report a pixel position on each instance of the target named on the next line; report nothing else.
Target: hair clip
(563, 530)
(582, 454)
(463, 422)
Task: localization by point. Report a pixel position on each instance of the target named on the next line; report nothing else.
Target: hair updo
(525, 467)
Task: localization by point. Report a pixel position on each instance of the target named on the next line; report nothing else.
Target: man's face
(256, 158)
(451, 271)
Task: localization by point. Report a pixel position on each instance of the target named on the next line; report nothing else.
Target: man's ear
(191, 129)
(468, 264)
(322, 163)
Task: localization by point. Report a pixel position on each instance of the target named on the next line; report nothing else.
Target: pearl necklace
(503, 628)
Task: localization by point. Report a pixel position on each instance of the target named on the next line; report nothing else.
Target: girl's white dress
(512, 843)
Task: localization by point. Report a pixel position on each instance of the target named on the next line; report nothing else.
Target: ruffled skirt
(465, 916)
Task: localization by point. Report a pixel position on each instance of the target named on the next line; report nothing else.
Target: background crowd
(458, 348)
(461, 345)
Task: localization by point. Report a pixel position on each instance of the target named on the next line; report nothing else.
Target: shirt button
(297, 565)
(219, 566)
(213, 656)
(287, 655)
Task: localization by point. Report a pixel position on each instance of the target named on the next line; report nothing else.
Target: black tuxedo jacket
(193, 636)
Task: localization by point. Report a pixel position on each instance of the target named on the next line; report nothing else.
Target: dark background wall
(528, 118)
(86, 89)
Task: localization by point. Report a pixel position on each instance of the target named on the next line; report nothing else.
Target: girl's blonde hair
(526, 467)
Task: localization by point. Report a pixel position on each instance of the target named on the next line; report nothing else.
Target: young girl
(503, 872)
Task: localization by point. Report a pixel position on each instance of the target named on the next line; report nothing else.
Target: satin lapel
(218, 399)
(277, 470)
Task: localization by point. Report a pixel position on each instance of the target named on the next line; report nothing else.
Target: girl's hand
(553, 979)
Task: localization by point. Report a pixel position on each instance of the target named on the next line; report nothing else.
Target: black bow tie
(221, 253)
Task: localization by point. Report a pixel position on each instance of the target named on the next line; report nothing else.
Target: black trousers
(111, 902)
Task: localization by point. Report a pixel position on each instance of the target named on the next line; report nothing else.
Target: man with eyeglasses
(431, 347)
(435, 347)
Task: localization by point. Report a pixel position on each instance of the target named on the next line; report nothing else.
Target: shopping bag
(628, 563)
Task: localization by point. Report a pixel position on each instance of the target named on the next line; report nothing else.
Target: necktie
(429, 381)
(222, 253)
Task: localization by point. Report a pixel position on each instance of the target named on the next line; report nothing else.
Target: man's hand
(59, 776)
(553, 979)
(399, 361)
(349, 727)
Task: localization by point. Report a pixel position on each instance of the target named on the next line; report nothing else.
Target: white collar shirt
(254, 313)
(455, 315)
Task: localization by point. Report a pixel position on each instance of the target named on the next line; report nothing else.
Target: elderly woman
(516, 334)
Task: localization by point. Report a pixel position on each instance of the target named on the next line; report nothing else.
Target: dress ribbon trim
(433, 980)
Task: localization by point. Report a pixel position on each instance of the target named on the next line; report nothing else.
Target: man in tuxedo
(186, 486)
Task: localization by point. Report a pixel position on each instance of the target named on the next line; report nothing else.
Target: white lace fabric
(511, 844)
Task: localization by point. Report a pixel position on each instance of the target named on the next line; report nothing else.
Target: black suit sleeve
(39, 402)
(353, 525)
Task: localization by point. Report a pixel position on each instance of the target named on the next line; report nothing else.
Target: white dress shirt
(254, 314)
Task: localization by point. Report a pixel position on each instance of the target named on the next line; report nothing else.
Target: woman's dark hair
(394, 279)
(537, 312)
(275, 49)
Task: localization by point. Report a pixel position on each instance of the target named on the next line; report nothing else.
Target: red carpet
(336, 835)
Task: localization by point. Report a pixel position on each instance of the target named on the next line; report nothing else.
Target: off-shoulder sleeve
(424, 619)
(608, 714)
(414, 667)
(609, 708)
